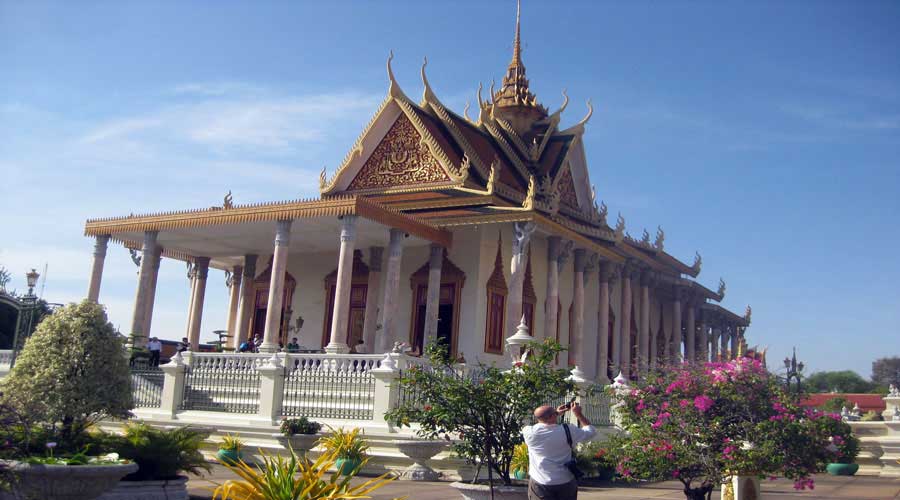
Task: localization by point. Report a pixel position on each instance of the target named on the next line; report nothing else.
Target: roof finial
(517, 43)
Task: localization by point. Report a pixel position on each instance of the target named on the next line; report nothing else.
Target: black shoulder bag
(572, 464)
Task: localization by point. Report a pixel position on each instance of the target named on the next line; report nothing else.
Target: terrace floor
(827, 487)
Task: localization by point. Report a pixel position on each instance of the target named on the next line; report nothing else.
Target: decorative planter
(520, 474)
(470, 491)
(420, 451)
(346, 465)
(842, 469)
(300, 443)
(228, 457)
(167, 489)
(67, 482)
(741, 488)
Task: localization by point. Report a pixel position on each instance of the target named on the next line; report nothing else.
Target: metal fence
(222, 382)
(333, 386)
(594, 406)
(146, 386)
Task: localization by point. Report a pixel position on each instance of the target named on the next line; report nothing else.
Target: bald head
(545, 414)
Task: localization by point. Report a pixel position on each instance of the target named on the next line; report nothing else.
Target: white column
(521, 236)
(703, 355)
(248, 300)
(551, 305)
(370, 320)
(100, 244)
(644, 327)
(734, 341)
(201, 267)
(674, 342)
(724, 339)
(576, 343)
(234, 301)
(655, 348)
(151, 291)
(433, 297)
(140, 300)
(625, 354)
(603, 328)
(714, 345)
(690, 350)
(276, 286)
(390, 301)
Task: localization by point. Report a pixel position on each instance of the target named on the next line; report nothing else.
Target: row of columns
(242, 298)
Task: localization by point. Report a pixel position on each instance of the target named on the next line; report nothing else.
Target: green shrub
(348, 445)
(72, 372)
(871, 416)
(159, 454)
(302, 425)
(593, 459)
(231, 442)
(836, 404)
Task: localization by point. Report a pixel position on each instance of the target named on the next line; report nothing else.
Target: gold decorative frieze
(566, 187)
(401, 158)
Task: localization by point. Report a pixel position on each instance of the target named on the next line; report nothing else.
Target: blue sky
(765, 135)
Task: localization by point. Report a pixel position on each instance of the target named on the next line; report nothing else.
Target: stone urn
(470, 491)
(420, 451)
(164, 489)
(741, 488)
(67, 482)
(300, 443)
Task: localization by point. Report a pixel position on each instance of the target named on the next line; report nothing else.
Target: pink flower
(676, 473)
(684, 403)
(703, 402)
(802, 484)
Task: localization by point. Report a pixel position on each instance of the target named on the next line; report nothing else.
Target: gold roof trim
(504, 144)
(443, 203)
(298, 209)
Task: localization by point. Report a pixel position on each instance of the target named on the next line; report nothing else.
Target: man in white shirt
(549, 450)
(154, 346)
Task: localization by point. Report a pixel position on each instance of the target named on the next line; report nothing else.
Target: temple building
(441, 227)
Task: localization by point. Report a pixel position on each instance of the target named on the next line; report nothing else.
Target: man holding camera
(551, 461)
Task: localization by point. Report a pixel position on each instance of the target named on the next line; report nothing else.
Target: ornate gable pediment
(566, 187)
(401, 158)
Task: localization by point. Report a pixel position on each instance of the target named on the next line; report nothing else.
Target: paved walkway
(827, 487)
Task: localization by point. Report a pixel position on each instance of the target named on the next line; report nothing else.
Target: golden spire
(517, 43)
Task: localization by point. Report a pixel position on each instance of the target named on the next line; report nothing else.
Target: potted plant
(71, 373)
(161, 456)
(230, 449)
(299, 434)
(483, 408)
(279, 478)
(725, 423)
(593, 460)
(348, 447)
(519, 463)
(842, 447)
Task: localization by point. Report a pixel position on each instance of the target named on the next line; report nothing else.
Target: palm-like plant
(278, 478)
(161, 454)
(345, 444)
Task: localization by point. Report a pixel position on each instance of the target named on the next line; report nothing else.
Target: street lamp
(30, 301)
(794, 370)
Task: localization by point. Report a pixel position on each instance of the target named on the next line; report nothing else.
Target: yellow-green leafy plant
(348, 445)
(279, 478)
(232, 442)
(520, 458)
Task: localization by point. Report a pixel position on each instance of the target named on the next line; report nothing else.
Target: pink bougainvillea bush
(699, 424)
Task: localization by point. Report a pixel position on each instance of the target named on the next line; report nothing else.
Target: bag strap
(568, 436)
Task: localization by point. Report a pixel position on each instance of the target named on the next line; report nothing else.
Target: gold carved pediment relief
(566, 187)
(401, 158)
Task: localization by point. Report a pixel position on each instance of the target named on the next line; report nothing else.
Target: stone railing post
(621, 389)
(579, 378)
(271, 389)
(173, 385)
(387, 390)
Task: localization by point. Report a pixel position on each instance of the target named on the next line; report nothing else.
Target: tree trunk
(701, 493)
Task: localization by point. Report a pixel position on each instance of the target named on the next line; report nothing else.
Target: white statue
(893, 392)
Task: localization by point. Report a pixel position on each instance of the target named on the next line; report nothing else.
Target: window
(496, 305)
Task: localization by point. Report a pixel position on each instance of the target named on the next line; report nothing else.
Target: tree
(845, 381)
(485, 407)
(699, 424)
(71, 373)
(886, 371)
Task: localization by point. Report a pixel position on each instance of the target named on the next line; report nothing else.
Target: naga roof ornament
(698, 263)
(721, 291)
(659, 244)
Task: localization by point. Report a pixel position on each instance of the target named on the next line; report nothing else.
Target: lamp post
(794, 370)
(29, 301)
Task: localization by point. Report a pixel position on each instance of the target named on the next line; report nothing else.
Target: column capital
(150, 237)
(580, 260)
(283, 232)
(201, 266)
(648, 278)
(553, 247)
(100, 244)
(249, 271)
(607, 272)
(436, 255)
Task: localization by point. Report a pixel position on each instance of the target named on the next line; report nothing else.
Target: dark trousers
(154, 358)
(565, 491)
